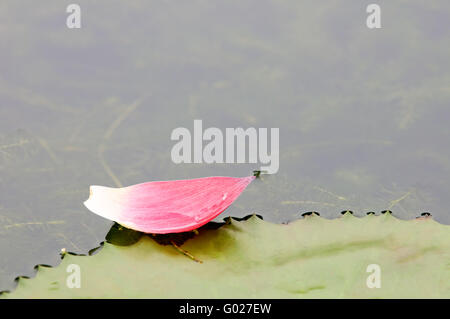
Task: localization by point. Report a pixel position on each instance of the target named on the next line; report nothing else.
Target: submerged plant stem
(184, 252)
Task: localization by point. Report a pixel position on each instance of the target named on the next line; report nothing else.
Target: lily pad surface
(310, 258)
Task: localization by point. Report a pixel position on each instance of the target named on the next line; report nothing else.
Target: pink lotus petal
(168, 206)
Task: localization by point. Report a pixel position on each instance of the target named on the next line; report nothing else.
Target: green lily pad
(310, 258)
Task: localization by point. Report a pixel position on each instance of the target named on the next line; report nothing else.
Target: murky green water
(363, 114)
